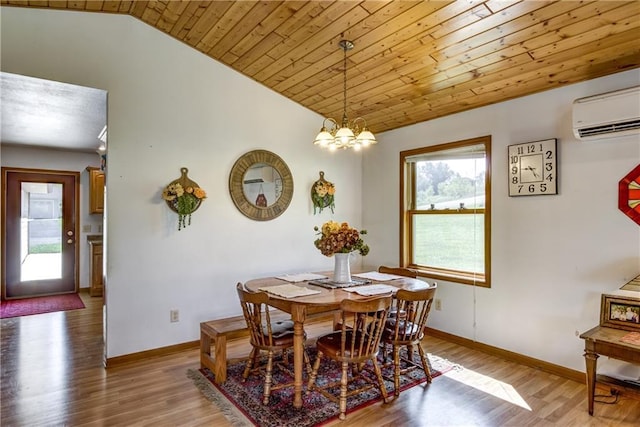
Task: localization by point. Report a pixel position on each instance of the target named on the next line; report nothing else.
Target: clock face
(533, 168)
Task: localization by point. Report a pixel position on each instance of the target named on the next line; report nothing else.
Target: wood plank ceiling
(412, 61)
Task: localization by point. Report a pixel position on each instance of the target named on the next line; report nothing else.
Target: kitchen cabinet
(95, 267)
(96, 190)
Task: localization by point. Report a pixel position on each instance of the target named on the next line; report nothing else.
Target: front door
(39, 229)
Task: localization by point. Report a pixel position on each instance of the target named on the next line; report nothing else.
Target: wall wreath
(322, 194)
(184, 197)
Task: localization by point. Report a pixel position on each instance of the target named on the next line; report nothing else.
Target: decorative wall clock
(629, 195)
(533, 168)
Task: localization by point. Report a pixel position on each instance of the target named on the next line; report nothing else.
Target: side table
(604, 341)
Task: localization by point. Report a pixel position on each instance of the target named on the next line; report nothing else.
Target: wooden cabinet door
(96, 270)
(96, 190)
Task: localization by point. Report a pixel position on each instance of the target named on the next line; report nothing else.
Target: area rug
(39, 305)
(242, 404)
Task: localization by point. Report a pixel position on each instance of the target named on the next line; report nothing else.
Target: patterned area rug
(242, 402)
(38, 305)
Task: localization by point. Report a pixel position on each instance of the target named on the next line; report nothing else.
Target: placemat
(289, 291)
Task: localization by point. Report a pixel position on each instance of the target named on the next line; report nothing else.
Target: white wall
(37, 158)
(170, 106)
(552, 256)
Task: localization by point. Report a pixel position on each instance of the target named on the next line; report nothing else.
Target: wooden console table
(603, 341)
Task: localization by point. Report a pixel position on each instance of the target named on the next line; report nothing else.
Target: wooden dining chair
(406, 328)
(357, 341)
(266, 336)
(398, 271)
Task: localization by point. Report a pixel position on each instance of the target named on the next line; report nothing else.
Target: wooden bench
(217, 332)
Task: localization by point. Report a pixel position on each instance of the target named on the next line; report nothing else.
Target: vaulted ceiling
(412, 61)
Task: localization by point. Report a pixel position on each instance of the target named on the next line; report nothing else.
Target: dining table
(313, 299)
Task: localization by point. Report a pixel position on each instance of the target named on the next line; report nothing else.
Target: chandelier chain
(344, 90)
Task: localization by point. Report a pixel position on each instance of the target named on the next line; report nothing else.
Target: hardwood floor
(52, 375)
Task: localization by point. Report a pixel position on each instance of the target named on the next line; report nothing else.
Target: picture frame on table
(620, 312)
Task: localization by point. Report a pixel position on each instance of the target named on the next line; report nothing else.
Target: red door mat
(38, 305)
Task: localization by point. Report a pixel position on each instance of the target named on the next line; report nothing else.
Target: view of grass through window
(447, 241)
(46, 248)
(45, 236)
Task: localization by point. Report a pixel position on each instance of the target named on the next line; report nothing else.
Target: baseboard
(162, 351)
(551, 368)
(605, 384)
(149, 354)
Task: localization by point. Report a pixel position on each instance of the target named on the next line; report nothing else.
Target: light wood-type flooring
(52, 375)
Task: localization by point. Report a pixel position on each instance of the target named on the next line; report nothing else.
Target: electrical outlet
(438, 304)
(86, 228)
(174, 315)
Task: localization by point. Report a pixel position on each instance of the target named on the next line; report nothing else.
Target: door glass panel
(40, 231)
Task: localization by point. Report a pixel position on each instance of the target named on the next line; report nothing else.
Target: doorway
(39, 219)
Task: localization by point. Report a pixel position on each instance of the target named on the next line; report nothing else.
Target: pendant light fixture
(349, 134)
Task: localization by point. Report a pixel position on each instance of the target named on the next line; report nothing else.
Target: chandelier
(349, 134)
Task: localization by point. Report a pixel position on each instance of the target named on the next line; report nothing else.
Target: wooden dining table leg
(298, 314)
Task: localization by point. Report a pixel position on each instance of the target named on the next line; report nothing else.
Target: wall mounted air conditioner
(607, 115)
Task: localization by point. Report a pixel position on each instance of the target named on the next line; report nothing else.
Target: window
(445, 211)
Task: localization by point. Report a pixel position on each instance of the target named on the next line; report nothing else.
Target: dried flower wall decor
(322, 194)
(184, 197)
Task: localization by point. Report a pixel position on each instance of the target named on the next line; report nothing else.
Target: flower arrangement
(183, 200)
(340, 238)
(322, 194)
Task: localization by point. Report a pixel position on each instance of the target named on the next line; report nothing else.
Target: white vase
(342, 269)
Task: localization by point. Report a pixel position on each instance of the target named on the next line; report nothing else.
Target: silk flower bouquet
(340, 238)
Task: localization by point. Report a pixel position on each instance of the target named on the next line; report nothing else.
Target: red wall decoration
(629, 195)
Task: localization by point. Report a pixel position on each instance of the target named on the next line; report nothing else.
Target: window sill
(452, 276)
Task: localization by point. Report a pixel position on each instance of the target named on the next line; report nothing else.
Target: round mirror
(261, 185)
